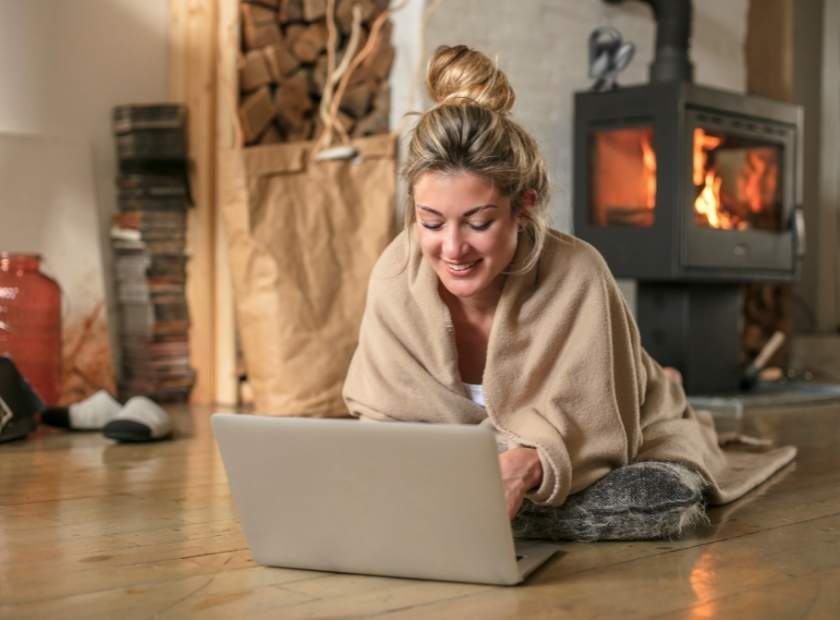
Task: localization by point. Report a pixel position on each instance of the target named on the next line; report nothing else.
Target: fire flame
(702, 144)
(708, 203)
(757, 183)
(649, 171)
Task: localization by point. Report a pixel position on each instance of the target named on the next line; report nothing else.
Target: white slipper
(141, 419)
(90, 414)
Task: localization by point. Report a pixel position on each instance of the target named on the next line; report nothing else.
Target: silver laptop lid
(402, 499)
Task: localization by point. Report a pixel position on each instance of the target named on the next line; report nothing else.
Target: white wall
(27, 58)
(63, 65)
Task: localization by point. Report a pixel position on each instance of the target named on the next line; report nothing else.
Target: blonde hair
(469, 130)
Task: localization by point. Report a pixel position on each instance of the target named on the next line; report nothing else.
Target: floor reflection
(703, 582)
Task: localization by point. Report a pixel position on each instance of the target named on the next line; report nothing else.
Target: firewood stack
(767, 309)
(283, 69)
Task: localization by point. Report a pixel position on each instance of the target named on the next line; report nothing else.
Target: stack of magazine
(148, 238)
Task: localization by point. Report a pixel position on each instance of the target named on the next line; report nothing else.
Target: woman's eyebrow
(467, 214)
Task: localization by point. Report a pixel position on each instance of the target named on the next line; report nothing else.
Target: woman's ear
(527, 200)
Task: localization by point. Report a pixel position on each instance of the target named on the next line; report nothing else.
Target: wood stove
(692, 191)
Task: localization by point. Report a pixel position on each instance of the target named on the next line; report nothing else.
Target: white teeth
(462, 267)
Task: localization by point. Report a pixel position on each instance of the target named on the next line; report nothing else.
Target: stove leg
(695, 328)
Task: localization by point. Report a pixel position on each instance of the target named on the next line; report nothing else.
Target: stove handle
(797, 223)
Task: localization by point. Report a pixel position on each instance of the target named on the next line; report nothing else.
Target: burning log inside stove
(737, 186)
(624, 177)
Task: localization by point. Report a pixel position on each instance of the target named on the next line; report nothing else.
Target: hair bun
(460, 74)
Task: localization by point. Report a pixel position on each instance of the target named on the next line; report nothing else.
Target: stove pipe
(673, 31)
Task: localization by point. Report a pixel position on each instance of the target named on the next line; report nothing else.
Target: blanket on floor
(565, 373)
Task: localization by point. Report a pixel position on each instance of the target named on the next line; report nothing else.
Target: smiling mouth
(461, 267)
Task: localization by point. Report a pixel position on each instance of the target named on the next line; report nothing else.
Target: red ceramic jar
(30, 322)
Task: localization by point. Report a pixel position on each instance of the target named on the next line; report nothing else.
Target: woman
(478, 313)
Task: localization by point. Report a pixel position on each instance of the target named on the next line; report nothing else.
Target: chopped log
(255, 113)
(298, 83)
(753, 338)
(292, 32)
(356, 100)
(301, 132)
(259, 26)
(383, 39)
(253, 71)
(379, 64)
(347, 122)
(289, 11)
(280, 62)
(768, 295)
(344, 13)
(319, 76)
(259, 14)
(284, 43)
(268, 4)
(766, 309)
(314, 9)
(364, 72)
(271, 135)
(310, 43)
(293, 102)
(361, 74)
(382, 99)
(374, 123)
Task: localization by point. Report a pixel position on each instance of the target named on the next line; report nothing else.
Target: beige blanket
(565, 374)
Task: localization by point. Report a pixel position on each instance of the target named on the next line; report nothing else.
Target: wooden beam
(769, 49)
(769, 58)
(227, 89)
(828, 260)
(192, 81)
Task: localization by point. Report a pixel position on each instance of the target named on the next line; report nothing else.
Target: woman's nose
(453, 243)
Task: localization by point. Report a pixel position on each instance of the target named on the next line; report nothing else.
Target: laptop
(403, 499)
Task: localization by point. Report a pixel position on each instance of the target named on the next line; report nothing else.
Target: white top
(476, 393)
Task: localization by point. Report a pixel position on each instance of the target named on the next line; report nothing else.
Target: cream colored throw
(565, 373)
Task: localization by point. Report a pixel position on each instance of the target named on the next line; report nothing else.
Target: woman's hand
(521, 472)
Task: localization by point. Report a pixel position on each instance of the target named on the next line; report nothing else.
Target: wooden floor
(92, 529)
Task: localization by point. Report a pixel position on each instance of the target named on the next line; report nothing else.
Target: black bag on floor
(18, 403)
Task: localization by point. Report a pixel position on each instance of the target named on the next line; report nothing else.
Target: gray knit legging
(641, 501)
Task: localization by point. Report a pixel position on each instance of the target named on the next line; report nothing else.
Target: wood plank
(699, 578)
(769, 49)
(192, 57)
(226, 375)
(90, 528)
(828, 262)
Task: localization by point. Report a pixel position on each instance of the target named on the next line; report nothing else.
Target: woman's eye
(477, 227)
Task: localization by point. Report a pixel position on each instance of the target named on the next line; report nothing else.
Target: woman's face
(466, 231)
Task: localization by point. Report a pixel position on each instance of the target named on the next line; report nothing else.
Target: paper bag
(303, 236)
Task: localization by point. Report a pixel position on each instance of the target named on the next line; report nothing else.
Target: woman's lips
(460, 273)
